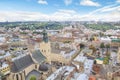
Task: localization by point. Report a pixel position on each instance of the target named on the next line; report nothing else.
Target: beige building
(113, 73)
(25, 66)
(4, 69)
(35, 64)
(118, 55)
(45, 48)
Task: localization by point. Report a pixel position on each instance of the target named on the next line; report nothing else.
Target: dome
(43, 67)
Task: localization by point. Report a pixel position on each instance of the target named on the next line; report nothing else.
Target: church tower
(45, 36)
(45, 45)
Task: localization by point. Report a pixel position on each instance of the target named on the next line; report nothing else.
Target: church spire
(45, 36)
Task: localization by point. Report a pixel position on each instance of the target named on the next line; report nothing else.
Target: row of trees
(107, 46)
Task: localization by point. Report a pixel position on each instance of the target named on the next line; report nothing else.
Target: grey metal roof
(38, 56)
(21, 63)
(43, 67)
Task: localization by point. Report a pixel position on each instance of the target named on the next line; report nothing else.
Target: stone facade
(118, 56)
(45, 48)
(22, 74)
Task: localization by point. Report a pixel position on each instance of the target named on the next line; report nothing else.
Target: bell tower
(45, 36)
(45, 45)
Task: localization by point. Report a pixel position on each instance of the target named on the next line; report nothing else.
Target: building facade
(45, 48)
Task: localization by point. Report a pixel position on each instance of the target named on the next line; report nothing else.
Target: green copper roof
(100, 58)
(116, 40)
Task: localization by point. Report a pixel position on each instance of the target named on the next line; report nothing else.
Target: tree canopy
(33, 78)
(102, 45)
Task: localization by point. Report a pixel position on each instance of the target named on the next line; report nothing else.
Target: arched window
(35, 66)
(24, 73)
(21, 75)
(17, 78)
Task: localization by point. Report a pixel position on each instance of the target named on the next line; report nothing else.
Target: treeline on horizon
(58, 25)
(33, 25)
(103, 26)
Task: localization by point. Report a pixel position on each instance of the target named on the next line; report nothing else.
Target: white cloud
(107, 13)
(105, 9)
(113, 16)
(68, 2)
(62, 15)
(89, 3)
(22, 16)
(110, 9)
(42, 2)
(118, 1)
(66, 11)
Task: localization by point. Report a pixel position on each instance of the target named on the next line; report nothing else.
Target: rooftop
(5, 55)
(82, 76)
(4, 65)
(65, 69)
(21, 63)
(38, 56)
(116, 40)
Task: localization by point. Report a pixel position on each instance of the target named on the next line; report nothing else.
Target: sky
(59, 10)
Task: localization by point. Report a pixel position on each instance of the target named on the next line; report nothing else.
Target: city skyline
(62, 10)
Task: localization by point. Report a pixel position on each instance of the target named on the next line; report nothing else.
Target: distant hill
(102, 26)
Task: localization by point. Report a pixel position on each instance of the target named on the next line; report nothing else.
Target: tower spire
(45, 36)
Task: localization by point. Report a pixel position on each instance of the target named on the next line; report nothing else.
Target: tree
(102, 46)
(33, 78)
(92, 39)
(95, 62)
(107, 47)
(101, 34)
(82, 45)
(106, 60)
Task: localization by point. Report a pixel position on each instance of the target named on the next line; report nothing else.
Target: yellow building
(4, 69)
(45, 48)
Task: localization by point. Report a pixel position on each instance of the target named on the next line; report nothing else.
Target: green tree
(102, 46)
(81, 45)
(106, 60)
(107, 47)
(33, 78)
